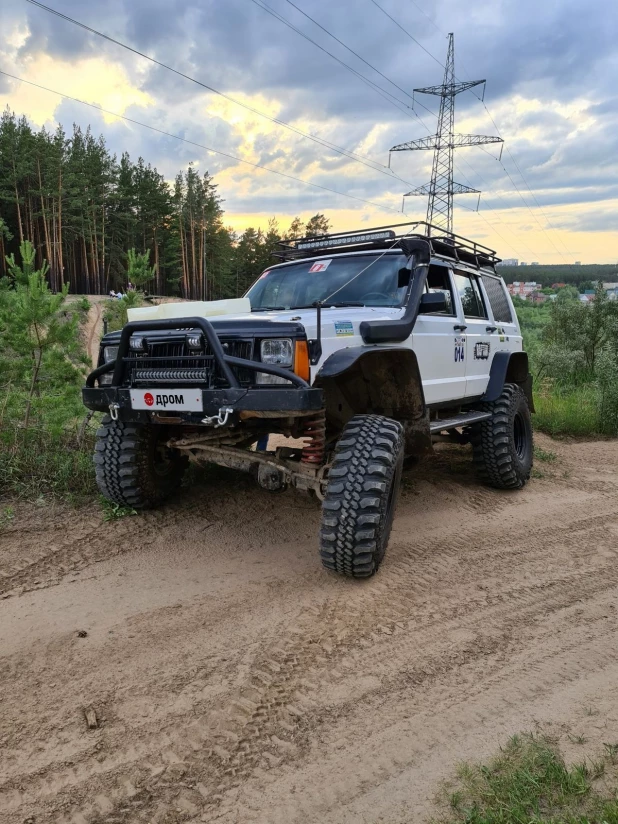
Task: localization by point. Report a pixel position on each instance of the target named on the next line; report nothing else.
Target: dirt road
(236, 681)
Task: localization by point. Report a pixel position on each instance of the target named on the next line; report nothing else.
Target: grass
(113, 512)
(544, 455)
(529, 783)
(53, 456)
(567, 411)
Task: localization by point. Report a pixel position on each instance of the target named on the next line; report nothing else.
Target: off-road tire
(132, 468)
(502, 446)
(361, 495)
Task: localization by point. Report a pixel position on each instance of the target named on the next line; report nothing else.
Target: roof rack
(451, 246)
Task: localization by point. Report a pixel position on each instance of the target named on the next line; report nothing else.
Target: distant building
(558, 285)
(534, 263)
(537, 297)
(522, 289)
(578, 263)
(523, 263)
(509, 262)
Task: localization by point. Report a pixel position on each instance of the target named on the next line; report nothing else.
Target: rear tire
(132, 466)
(361, 495)
(502, 446)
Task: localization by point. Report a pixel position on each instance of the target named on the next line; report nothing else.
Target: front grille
(171, 361)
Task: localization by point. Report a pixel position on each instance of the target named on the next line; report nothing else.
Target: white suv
(368, 345)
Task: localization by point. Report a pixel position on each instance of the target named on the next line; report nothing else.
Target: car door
(478, 330)
(440, 344)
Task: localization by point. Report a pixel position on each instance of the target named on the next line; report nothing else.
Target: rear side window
(498, 299)
(470, 294)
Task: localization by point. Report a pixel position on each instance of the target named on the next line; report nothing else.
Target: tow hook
(220, 419)
(113, 411)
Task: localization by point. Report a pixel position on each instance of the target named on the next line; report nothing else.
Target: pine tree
(32, 325)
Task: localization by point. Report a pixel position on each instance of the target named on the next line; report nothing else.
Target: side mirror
(433, 302)
(403, 277)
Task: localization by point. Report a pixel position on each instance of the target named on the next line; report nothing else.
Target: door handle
(491, 329)
(460, 327)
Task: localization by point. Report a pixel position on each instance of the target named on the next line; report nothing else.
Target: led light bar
(328, 242)
(172, 375)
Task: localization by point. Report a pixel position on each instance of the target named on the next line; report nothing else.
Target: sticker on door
(460, 349)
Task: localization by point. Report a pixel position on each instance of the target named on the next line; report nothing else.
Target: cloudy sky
(552, 94)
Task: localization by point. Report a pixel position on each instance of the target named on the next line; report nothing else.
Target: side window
(438, 281)
(497, 298)
(470, 294)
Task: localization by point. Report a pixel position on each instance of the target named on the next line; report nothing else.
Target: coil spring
(315, 435)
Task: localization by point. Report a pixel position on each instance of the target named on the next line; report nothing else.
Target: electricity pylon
(442, 187)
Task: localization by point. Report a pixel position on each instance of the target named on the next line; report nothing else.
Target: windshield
(333, 281)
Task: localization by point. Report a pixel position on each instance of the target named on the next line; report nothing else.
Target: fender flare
(509, 367)
(380, 380)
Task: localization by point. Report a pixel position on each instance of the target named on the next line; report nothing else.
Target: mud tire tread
(125, 467)
(356, 519)
(493, 447)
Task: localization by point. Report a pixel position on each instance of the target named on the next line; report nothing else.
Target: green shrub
(45, 444)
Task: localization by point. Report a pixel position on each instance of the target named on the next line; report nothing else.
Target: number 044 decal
(460, 349)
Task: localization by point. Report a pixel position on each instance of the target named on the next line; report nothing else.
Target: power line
(374, 165)
(315, 138)
(405, 31)
(379, 167)
(381, 91)
(366, 62)
(201, 145)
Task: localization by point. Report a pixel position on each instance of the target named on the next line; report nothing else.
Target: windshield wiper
(268, 308)
(343, 303)
(330, 305)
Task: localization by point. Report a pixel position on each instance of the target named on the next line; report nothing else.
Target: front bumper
(285, 400)
(297, 396)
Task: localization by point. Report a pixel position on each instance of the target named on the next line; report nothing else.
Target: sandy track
(235, 681)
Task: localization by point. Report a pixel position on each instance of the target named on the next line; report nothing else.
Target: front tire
(133, 467)
(502, 446)
(361, 495)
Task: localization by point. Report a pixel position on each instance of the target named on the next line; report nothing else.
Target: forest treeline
(84, 209)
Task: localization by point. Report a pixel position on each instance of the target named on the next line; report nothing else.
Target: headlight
(110, 353)
(277, 351)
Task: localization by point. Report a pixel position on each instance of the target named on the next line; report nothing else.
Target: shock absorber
(314, 433)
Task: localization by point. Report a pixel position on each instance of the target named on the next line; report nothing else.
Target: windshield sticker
(321, 265)
(481, 351)
(343, 328)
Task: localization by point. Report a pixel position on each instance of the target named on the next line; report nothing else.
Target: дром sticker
(320, 265)
(344, 328)
(481, 351)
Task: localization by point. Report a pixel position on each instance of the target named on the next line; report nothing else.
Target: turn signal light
(301, 359)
